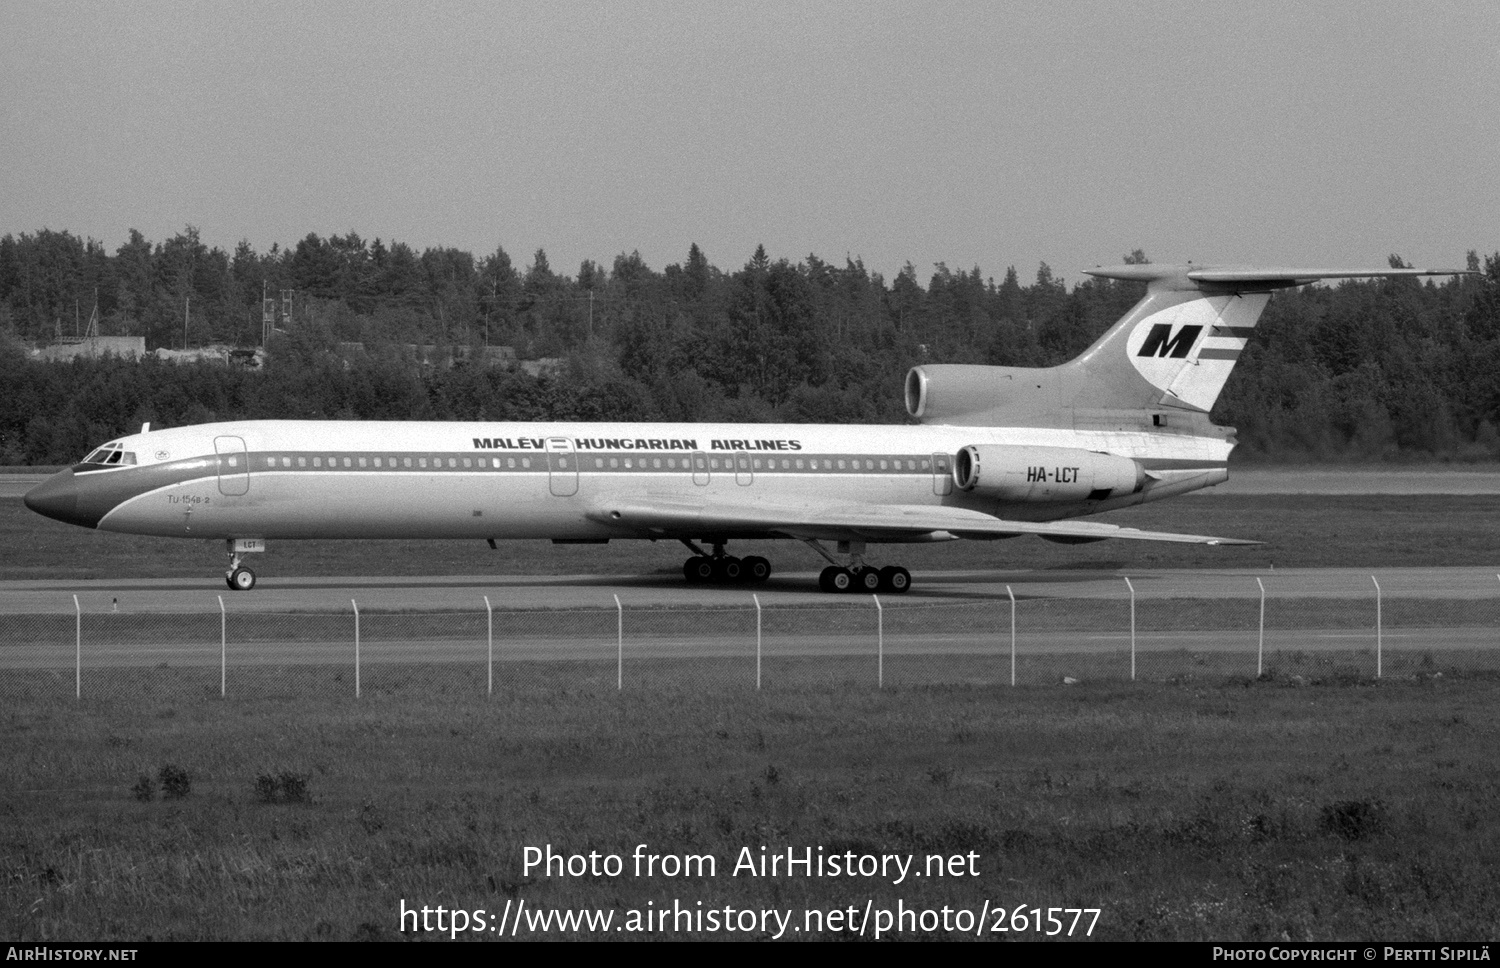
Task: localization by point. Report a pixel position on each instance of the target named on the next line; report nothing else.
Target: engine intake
(1009, 473)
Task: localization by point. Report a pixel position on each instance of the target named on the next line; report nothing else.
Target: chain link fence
(1160, 628)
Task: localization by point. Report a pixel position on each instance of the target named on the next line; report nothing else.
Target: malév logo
(1161, 342)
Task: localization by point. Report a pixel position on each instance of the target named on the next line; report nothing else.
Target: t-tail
(1163, 363)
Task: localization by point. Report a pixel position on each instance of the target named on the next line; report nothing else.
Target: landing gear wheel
(241, 579)
(895, 579)
(727, 569)
(698, 570)
(866, 580)
(755, 569)
(836, 579)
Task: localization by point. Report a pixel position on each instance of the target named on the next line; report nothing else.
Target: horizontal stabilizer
(1190, 276)
(858, 522)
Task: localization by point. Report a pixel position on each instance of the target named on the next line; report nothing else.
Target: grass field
(1209, 810)
(1298, 531)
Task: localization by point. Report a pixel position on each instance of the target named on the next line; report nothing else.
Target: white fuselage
(344, 479)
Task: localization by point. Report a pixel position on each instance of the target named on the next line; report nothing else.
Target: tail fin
(1175, 349)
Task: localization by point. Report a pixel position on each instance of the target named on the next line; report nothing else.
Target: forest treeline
(1378, 370)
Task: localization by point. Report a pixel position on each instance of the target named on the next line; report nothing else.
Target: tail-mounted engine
(1008, 473)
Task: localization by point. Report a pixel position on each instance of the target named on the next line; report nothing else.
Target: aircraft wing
(856, 522)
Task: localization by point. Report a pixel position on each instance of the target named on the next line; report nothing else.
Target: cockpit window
(110, 454)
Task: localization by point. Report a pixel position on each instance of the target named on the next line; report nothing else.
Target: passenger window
(467, 462)
(525, 462)
(361, 462)
(613, 462)
(301, 461)
(317, 461)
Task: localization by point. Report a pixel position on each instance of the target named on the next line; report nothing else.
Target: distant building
(546, 366)
(208, 354)
(93, 347)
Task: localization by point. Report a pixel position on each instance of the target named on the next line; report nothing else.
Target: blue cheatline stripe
(586, 461)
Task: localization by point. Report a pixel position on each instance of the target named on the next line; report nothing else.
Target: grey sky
(987, 134)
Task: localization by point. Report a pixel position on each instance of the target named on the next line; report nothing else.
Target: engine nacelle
(1008, 473)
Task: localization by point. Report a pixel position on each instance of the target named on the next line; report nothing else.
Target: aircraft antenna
(267, 314)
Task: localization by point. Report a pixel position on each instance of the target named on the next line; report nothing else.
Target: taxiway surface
(793, 589)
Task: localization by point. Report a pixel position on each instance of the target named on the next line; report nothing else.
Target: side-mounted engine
(1009, 473)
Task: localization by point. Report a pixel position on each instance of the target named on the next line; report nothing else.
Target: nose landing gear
(237, 576)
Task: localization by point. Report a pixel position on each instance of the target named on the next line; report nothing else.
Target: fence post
(1378, 630)
(619, 645)
(879, 643)
(78, 643)
(223, 646)
(489, 642)
(757, 641)
(356, 647)
(1132, 628)
(1012, 634)
(1260, 649)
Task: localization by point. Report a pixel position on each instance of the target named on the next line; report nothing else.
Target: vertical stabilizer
(1174, 349)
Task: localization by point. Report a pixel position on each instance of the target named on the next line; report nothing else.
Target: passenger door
(234, 466)
(562, 467)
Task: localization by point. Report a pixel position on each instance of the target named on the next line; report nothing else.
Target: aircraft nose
(57, 497)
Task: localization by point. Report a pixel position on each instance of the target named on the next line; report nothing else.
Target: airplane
(997, 452)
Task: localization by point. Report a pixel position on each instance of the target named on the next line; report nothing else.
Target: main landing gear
(858, 576)
(723, 569)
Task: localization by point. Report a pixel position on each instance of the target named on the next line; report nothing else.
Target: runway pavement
(1193, 621)
(16, 485)
(1464, 479)
(551, 592)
